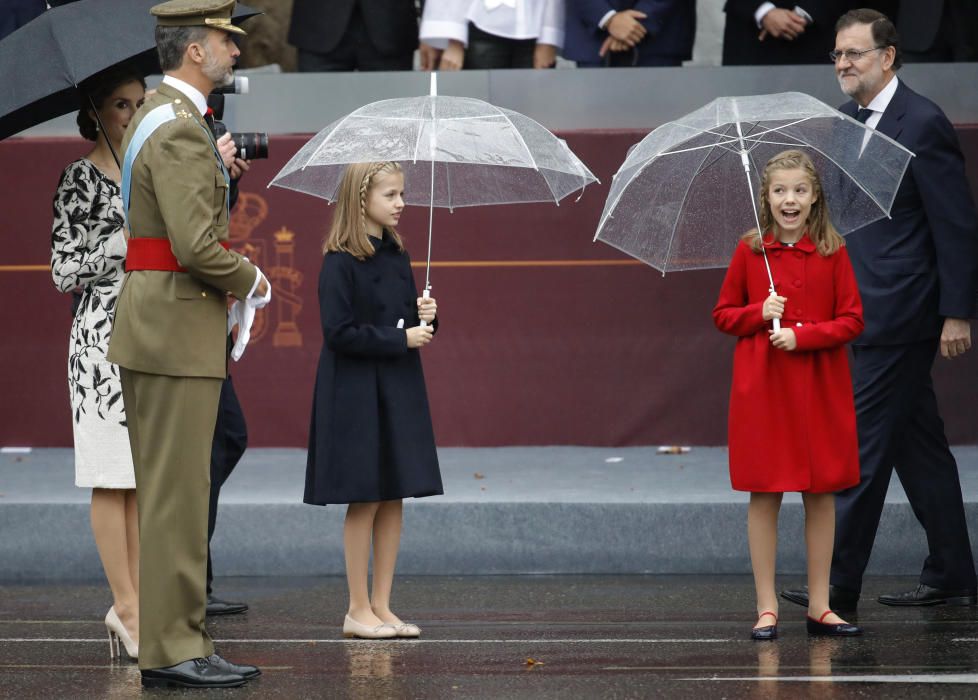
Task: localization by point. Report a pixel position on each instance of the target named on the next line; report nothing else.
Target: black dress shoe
(216, 606)
(246, 670)
(193, 673)
(927, 595)
(841, 599)
(831, 629)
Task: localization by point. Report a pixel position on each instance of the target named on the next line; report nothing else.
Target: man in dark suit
(939, 30)
(776, 33)
(918, 277)
(346, 35)
(622, 33)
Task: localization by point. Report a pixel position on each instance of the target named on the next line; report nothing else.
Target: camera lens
(251, 146)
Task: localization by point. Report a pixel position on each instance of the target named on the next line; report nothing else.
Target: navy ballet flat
(819, 628)
(768, 633)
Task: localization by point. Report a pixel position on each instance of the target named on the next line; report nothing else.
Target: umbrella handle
(425, 295)
(776, 324)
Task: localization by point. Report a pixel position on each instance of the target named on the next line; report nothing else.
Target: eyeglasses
(852, 55)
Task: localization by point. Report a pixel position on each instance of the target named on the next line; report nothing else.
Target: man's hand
(238, 168)
(429, 56)
(782, 24)
(227, 148)
(544, 56)
(612, 45)
(453, 57)
(625, 26)
(955, 337)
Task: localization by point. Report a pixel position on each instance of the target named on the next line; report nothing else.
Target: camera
(250, 145)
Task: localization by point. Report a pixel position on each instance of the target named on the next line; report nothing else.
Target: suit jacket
(175, 323)
(741, 47)
(319, 26)
(921, 265)
(671, 26)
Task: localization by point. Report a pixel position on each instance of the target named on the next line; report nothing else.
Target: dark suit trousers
(900, 428)
(354, 52)
(230, 442)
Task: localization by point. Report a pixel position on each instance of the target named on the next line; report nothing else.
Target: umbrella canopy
(45, 60)
(682, 199)
(474, 152)
(454, 151)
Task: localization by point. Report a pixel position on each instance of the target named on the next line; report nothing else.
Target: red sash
(154, 254)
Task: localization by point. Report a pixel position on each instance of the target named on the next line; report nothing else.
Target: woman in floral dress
(88, 252)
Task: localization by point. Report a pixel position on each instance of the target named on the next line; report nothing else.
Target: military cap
(215, 14)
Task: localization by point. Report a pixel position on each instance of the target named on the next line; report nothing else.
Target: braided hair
(348, 231)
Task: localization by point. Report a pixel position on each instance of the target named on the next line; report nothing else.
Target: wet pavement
(590, 636)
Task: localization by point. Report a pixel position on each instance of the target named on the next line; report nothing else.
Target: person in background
(779, 33)
(347, 35)
(623, 33)
(14, 14)
(486, 34)
(938, 30)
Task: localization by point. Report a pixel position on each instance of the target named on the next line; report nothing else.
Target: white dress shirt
(542, 20)
(878, 105)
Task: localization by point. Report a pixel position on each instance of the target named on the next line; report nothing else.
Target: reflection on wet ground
(512, 637)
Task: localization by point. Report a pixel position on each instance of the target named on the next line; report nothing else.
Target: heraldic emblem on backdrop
(278, 262)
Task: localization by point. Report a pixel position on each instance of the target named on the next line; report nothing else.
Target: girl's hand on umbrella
(427, 308)
(784, 339)
(773, 307)
(419, 336)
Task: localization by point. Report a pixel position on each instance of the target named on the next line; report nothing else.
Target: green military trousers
(171, 428)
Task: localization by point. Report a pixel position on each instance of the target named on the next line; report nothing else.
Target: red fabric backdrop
(547, 338)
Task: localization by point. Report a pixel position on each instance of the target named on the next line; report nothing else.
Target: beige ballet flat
(407, 630)
(117, 631)
(352, 628)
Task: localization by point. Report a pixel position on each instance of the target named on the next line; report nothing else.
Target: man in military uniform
(170, 332)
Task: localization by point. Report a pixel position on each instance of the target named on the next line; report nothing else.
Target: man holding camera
(170, 335)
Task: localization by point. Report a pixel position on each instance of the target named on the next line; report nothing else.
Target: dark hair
(97, 89)
(884, 33)
(172, 43)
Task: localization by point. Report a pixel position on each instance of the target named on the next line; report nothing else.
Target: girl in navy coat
(371, 442)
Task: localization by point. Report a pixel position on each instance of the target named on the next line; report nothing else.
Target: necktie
(863, 114)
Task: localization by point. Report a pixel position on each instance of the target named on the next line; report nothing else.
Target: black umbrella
(44, 61)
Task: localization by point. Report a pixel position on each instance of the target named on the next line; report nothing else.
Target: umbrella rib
(322, 143)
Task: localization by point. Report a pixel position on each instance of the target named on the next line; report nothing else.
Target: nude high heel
(117, 632)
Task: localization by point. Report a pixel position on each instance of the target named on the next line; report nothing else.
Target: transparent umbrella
(687, 192)
(455, 152)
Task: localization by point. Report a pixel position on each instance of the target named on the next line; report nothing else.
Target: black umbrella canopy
(43, 62)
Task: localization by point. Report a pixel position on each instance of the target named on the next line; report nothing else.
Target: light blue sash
(150, 123)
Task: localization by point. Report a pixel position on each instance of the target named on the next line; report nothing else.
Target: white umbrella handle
(775, 323)
(425, 295)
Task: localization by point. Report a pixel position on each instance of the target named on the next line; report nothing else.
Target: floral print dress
(88, 251)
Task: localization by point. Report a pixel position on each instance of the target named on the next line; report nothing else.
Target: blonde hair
(348, 233)
(820, 229)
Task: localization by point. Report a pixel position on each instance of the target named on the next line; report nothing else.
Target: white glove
(245, 317)
(243, 313)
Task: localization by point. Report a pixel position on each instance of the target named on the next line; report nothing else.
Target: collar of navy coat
(804, 244)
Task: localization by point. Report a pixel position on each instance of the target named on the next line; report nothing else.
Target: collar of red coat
(804, 244)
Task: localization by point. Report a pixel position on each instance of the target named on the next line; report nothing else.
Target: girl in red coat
(792, 423)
